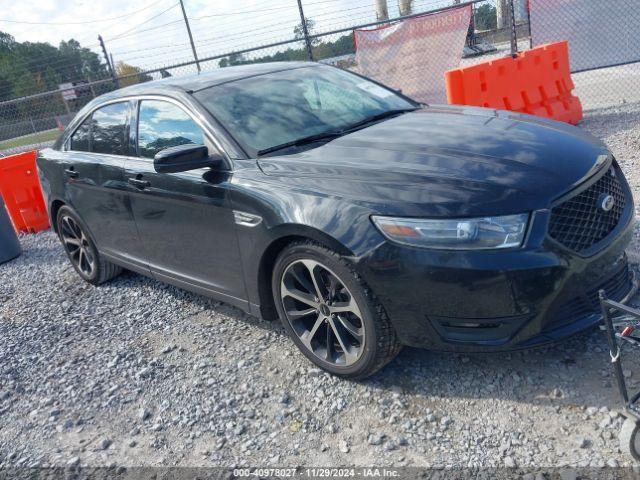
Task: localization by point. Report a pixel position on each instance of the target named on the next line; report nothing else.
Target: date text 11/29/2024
(319, 472)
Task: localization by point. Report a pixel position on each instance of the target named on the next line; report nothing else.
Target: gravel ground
(139, 373)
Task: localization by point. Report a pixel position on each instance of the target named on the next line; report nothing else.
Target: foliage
(27, 67)
(231, 60)
(486, 17)
(130, 75)
(298, 31)
(321, 51)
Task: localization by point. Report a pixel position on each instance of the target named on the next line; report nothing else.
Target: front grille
(616, 288)
(580, 222)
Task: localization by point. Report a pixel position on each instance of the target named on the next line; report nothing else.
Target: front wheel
(630, 438)
(81, 250)
(329, 312)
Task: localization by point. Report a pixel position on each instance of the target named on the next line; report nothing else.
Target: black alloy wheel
(329, 312)
(81, 250)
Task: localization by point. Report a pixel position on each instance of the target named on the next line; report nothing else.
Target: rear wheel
(330, 314)
(81, 250)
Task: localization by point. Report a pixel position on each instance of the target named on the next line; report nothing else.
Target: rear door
(184, 219)
(95, 187)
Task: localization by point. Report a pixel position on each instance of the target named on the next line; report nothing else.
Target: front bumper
(497, 300)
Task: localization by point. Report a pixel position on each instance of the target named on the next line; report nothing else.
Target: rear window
(108, 132)
(80, 138)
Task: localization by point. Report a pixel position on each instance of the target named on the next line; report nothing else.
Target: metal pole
(512, 27)
(529, 24)
(382, 10)
(193, 45)
(405, 7)
(109, 65)
(307, 40)
(614, 348)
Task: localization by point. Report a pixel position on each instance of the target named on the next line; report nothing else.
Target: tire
(629, 438)
(343, 329)
(81, 250)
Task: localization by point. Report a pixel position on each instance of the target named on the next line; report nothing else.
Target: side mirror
(183, 158)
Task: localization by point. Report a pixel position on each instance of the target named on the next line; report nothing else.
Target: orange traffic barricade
(537, 82)
(20, 189)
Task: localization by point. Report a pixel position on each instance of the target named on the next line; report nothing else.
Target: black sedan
(363, 220)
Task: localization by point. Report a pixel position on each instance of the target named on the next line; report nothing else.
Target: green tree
(298, 31)
(485, 17)
(33, 67)
(233, 59)
(27, 68)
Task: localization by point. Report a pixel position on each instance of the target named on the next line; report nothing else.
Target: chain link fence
(408, 51)
(604, 45)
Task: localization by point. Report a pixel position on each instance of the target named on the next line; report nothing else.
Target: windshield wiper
(329, 135)
(333, 134)
(377, 117)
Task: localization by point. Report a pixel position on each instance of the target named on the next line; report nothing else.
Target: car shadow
(576, 372)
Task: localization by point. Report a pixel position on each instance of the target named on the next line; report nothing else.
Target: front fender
(288, 214)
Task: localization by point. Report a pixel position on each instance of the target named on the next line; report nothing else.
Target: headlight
(456, 234)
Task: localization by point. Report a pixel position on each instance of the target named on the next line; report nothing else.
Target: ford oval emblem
(606, 202)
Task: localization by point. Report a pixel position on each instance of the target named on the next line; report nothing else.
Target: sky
(152, 33)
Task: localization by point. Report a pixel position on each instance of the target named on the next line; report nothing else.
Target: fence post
(528, 9)
(512, 28)
(305, 30)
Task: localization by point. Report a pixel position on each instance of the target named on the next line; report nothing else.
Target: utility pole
(382, 11)
(405, 7)
(305, 31)
(193, 46)
(109, 64)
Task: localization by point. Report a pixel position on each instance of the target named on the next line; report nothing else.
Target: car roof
(194, 83)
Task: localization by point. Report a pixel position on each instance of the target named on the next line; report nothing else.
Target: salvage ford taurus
(363, 220)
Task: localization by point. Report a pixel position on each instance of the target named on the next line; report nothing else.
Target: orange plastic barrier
(21, 192)
(537, 81)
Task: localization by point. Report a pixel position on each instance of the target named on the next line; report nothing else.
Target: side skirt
(143, 269)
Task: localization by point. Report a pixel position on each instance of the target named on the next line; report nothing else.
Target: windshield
(266, 111)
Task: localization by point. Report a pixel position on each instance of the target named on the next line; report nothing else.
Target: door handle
(136, 182)
(71, 173)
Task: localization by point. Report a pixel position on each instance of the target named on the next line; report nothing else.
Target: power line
(210, 43)
(83, 22)
(122, 34)
(131, 34)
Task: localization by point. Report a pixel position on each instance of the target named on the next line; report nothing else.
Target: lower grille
(580, 222)
(616, 287)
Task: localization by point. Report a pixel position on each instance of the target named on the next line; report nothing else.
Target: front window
(162, 125)
(266, 111)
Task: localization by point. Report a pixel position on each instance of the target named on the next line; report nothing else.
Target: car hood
(443, 161)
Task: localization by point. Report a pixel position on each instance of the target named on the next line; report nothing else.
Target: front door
(184, 219)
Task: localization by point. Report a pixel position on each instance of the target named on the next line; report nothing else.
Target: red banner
(412, 55)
